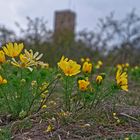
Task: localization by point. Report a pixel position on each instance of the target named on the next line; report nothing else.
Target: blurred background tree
(6, 35)
(114, 41)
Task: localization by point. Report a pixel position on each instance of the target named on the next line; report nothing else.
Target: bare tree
(36, 31)
(6, 35)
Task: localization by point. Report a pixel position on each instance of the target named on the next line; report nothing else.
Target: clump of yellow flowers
(99, 64)
(116, 117)
(74, 82)
(69, 67)
(26, 87)
(25, 60)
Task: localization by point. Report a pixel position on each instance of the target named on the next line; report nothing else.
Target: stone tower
(64, 25)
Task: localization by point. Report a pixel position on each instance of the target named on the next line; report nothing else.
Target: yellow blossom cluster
(126, 65)
(25, 60)
(99, 64)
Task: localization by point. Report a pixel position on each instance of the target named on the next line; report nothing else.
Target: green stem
(37, 95)
(111, 92)
(67, 94)
(46, 99)
(21, 86)
(32, 102)
(107, 93)
(95, 97)
(78, 101)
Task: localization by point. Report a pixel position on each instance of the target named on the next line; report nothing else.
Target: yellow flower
(44, 86)
(99, 79)
(118, 121)
(64, 114)
(49, 128)
(23, 63)
(27, 59)
(119, 66)
(44, 106)
(2, 80)
(126, 138)
(123, 65)
(82, 59)
(87, 59)
(100, 63)
(34, 83)
(69, 67)
(122, 81)
(23, 81)
(87, 67)
(13, 49)
(43, 96)
(2, 57)
(114, 113)
(32, 56)
(97, 66)
(127, 65)
(83, 84)
(136, 67)
(43, 65)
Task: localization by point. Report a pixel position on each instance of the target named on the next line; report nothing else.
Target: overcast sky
(88, 11)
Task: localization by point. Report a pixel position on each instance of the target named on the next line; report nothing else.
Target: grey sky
(88, 11)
